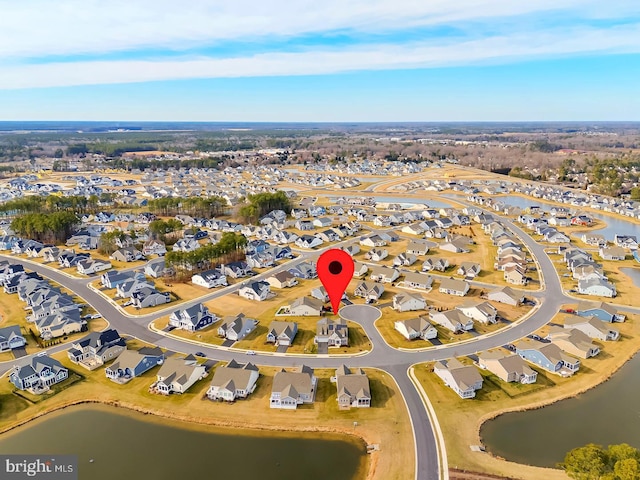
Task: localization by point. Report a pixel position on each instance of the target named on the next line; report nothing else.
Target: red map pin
(335, 269)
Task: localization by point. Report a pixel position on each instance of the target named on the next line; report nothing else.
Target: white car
(250, 352)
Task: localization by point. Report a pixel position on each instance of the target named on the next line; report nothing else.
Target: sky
(320, 61)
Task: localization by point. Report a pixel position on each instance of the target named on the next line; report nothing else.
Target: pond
(614, 225)
(605, 415)
(131, 445)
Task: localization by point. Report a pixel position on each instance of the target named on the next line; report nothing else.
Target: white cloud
(40, 28)
(622, 39)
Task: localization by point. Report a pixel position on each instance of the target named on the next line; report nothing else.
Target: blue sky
(336, 60)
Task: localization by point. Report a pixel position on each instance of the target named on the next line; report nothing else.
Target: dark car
(200, 354)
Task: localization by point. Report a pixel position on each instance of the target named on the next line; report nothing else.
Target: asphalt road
(382, 356)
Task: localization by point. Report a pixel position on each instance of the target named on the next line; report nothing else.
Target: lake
(608, 414)
(131, 445)
(614, 225)
(416, 201)
(633, 274)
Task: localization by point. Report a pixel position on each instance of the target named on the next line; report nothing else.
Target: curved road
(382, 356)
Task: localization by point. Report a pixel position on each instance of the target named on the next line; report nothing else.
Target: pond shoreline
(601, 379)
(196, 423)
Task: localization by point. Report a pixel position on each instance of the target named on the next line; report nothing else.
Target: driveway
(19, 352)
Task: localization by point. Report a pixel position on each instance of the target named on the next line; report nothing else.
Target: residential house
(127, 288)
(308, 241)
(454, 247)
(210, 279)
(418, 280)
(435, 263)
(353, 389)
(258, 291)
(290, 389)
(452, 286)
(612, 253)
(114, 278)
(573, 341)
(548, 356)
(418, 327)
(629, 242)
(603, 311)
(597, 286)
(186, 245)
(133, 363)
(304, 307)
(384, 274)
(507, 367)
(370, 291)
(177, 375)
(404, 260)
(333, 334)
(236, 327)
(149, 297)
(96, 349)
(469, 269)
(417, 247)
(11, 338)
(592, 327)
(376, 254)
(462, 379)
(304, 270)
(154, 247)
(373, 241)
(39, 374)
(233, 381)
(515, 275)
(506, 295)
(407, 301)
(360, 269)
(282, 333)
(320, 293)
(236, 269)
(483, 312)
(127, 254)
(453, 320)
(282, 279)
(192, 318)
(89, 266)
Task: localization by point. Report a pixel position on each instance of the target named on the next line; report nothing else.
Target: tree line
(593, 462)
(228, 249)
(53, 227)
(77, 204)
(262, 203)
(206, 207)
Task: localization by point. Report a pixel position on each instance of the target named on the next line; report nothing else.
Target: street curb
(443, 464)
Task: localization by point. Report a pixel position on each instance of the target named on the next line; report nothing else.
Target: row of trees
(206, 207)
(593, 462)
(77, 204)
(228, 249)
(53, 227)
(262, 203)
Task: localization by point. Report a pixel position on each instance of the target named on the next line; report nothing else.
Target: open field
(464, 417)
(386, 423)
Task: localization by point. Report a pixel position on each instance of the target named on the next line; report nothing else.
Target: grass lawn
(461, 419)
(385, 423)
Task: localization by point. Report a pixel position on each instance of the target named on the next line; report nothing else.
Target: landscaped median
(461, 419)
(386, 423)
